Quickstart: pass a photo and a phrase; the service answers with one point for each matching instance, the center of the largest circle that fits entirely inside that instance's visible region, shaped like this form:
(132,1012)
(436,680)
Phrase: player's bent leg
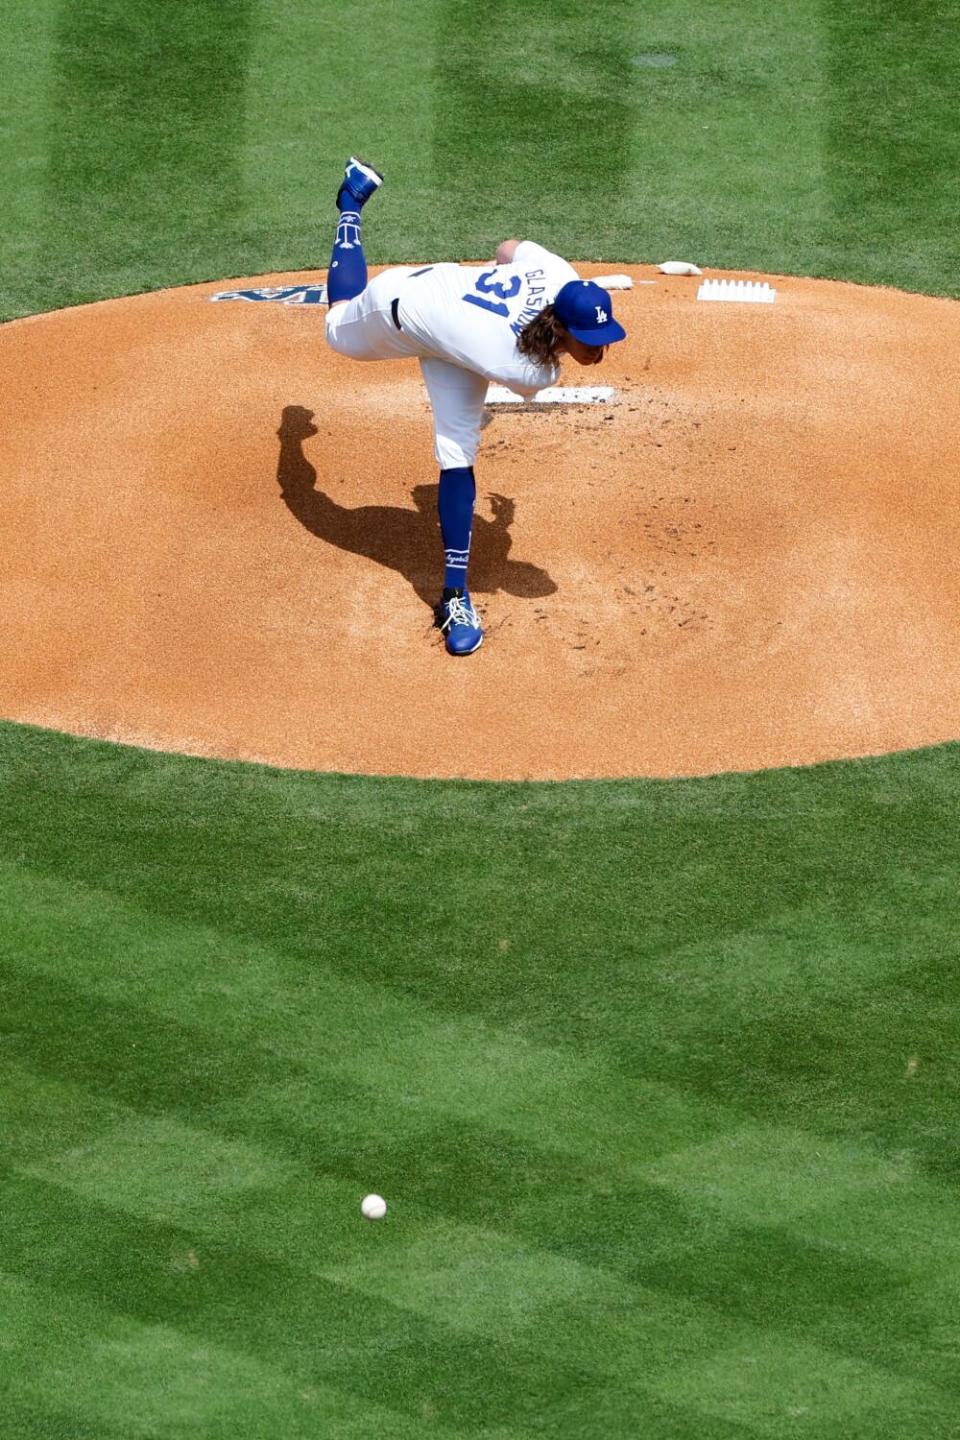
(364,327)
(345,330)
(347,275)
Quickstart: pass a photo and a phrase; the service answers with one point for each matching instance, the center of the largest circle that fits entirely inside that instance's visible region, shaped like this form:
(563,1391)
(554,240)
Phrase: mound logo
(279,294)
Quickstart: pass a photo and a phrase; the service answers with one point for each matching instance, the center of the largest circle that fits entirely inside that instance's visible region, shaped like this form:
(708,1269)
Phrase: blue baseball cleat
(359,181)
(459,623)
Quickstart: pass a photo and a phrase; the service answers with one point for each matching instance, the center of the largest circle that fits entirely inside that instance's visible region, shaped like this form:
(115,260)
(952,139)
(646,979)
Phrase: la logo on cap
(585,311)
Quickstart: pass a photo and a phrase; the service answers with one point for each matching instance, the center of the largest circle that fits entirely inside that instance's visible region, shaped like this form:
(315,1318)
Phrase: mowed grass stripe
(839,861)
(892,140)
(231,995)
(266,1113)
(726,164)
(661,1328)
(306,1325)
(768,1386)
(767,1174)
(175,143)
(379,1042)
(163,1170)
(144,1378)
(651,1237)
(454,1275)
(602,905)
(152,1167)
(26,56)
(839,1008)
(146,116)
(316,93)
(310,855)
(547,95)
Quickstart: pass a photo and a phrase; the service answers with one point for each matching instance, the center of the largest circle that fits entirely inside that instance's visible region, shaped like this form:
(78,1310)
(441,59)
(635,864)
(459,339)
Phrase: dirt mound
(221,539)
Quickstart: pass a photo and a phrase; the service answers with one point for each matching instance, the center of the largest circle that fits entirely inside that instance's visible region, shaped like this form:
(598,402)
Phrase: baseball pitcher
(509,322)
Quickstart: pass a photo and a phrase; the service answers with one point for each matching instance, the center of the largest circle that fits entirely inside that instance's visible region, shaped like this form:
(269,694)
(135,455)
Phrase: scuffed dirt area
(220,538)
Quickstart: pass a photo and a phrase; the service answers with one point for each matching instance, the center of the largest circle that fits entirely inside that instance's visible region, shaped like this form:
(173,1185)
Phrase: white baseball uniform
(462,323)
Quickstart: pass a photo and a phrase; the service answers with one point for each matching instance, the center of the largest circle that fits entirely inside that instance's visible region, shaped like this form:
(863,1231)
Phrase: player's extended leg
(455,615)
(455,502)
(456,398)
(348,267)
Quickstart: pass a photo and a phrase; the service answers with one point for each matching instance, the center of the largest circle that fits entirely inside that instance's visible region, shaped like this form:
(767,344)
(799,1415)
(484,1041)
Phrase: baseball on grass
(373,1207)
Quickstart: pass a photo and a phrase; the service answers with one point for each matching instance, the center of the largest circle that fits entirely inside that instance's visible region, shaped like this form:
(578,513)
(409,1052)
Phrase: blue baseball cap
(585,311)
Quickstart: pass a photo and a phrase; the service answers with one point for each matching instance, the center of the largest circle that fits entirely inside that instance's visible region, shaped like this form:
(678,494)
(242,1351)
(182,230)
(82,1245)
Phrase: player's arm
(535,255)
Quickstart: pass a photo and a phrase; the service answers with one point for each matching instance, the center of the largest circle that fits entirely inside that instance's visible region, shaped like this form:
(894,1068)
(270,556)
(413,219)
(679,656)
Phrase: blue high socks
(348,266)
(458,491)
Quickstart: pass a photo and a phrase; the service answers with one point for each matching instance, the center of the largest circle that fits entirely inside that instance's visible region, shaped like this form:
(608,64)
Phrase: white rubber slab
(738,291)
(554,395)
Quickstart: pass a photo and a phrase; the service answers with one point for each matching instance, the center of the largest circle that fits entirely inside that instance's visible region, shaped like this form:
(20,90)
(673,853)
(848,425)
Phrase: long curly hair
(541,338)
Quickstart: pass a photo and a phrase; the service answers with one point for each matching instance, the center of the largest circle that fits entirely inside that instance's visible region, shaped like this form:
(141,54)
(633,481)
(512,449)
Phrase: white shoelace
(460,613)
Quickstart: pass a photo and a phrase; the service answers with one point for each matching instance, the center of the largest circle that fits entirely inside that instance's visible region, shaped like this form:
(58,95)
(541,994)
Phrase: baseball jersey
(471,315)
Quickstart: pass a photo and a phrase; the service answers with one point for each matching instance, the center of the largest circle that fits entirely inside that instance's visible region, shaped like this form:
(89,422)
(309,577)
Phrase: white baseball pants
(363,329)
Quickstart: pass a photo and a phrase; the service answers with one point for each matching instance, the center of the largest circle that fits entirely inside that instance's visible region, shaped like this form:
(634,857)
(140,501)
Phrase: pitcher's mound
(221,539)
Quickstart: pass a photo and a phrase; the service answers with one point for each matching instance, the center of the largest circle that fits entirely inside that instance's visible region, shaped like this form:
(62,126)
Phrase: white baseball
(373,1207)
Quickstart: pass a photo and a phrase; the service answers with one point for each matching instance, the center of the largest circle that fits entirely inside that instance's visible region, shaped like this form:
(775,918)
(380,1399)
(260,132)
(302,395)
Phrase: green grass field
(191,139)
(660,1080)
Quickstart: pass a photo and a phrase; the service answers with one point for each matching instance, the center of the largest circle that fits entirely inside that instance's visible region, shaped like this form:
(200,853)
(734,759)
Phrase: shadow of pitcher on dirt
(399,538)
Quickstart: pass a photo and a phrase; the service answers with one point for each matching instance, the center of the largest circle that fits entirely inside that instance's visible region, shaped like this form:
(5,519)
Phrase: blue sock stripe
(348,230)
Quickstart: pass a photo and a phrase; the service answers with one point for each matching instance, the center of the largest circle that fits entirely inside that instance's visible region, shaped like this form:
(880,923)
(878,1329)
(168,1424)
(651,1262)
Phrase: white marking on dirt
(553,395)
(737,290)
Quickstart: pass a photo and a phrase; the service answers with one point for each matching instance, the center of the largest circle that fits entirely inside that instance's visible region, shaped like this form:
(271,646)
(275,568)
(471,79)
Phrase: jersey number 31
(490,286)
